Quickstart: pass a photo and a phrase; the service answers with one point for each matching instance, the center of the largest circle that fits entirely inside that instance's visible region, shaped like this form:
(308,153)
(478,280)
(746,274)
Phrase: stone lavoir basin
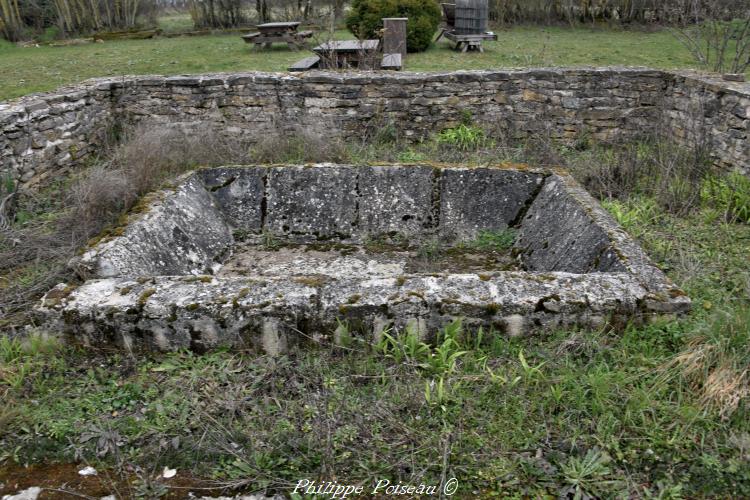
(271,255)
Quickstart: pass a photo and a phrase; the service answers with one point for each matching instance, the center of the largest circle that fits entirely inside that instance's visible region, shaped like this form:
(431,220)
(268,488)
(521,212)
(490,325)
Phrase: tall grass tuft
(716,361)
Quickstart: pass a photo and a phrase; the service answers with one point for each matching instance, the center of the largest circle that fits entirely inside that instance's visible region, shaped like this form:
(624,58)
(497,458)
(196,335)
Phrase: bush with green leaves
(366,19)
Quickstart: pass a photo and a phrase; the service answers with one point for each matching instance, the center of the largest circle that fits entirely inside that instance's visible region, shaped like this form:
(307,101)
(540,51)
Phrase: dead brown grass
(716,362)
(299,146)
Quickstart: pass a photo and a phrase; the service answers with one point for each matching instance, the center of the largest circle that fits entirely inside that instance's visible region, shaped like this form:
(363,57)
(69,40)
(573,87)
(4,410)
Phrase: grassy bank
(44,68)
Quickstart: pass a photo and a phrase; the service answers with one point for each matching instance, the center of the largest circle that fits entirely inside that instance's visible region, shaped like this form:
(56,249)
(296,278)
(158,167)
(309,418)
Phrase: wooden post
(394,35)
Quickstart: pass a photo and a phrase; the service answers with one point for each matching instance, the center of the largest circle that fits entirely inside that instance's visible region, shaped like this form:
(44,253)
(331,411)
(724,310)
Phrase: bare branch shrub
(149,154)
(99,196)
(716,32)
(651,166)
(217,14)
(299,146)
(60,220)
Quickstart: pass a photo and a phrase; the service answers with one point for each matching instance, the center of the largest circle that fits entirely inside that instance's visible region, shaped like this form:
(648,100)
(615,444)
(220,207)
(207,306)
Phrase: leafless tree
(217,13)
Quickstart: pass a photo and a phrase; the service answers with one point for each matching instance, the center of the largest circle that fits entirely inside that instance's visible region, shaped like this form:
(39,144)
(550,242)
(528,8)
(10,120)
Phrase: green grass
(44,68)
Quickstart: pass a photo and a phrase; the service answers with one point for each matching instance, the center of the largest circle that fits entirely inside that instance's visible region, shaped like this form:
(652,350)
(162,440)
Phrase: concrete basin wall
(154,284)
(188,230)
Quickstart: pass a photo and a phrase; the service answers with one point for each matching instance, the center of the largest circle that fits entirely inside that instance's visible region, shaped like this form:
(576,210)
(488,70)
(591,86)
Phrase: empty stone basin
(268,255)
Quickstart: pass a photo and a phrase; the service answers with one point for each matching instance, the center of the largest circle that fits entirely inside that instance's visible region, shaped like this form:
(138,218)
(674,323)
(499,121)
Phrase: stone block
(312,200)
(557,234)
(180,232)
(395,199)
(477,199)
(240,193)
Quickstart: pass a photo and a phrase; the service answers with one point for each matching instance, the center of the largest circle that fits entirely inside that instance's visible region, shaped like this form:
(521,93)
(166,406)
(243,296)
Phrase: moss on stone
(145,295)
(313,281)
(195,279)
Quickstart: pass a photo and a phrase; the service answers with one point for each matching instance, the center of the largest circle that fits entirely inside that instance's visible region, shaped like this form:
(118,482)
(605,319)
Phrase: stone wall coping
(75,92)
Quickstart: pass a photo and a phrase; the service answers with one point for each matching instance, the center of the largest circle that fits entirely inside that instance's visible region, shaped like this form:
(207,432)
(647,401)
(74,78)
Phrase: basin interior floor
(362,261)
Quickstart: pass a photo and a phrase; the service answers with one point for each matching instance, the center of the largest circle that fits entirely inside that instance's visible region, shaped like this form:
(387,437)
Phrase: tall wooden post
(394,35)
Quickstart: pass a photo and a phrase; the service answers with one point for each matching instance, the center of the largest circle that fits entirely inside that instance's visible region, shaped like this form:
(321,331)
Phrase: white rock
(28,494)
(87,471)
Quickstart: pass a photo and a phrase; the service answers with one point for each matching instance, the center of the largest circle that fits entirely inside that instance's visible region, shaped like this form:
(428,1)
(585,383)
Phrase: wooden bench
(305,64)
(270,33)
(251,37)
(391,61)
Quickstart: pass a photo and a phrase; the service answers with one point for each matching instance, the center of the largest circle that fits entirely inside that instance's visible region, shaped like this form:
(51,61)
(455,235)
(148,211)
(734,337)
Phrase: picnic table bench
(269,33)
(361,54)
(343,54)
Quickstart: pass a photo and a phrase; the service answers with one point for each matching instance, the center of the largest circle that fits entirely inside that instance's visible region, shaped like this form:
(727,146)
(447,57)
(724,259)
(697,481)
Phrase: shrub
(366,19)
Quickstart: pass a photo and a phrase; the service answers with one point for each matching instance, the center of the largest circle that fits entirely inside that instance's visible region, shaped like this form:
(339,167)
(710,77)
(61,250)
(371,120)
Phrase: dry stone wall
(712,113)
(43,134)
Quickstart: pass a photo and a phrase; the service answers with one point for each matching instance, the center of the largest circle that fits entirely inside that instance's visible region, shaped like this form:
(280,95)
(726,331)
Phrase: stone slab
(168,313)
(396,200)
(240,193)
(557,234)
(319,201)
(477,199)
(179,232)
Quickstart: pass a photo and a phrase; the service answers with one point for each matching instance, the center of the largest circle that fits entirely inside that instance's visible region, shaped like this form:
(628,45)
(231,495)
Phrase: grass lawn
(44,68)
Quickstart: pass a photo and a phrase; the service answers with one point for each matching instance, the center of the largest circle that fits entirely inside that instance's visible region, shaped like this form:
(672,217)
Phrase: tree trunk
(262,8)
(338,9)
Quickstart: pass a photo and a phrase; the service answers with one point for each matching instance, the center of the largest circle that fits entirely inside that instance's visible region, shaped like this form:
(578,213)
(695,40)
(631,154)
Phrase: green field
(43,68)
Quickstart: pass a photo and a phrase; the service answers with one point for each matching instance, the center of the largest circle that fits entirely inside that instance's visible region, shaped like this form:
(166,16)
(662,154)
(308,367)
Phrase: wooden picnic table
(269,33)
(361,54)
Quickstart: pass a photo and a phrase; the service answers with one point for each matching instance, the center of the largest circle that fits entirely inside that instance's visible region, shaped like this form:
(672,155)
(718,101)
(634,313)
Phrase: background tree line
(21,19)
